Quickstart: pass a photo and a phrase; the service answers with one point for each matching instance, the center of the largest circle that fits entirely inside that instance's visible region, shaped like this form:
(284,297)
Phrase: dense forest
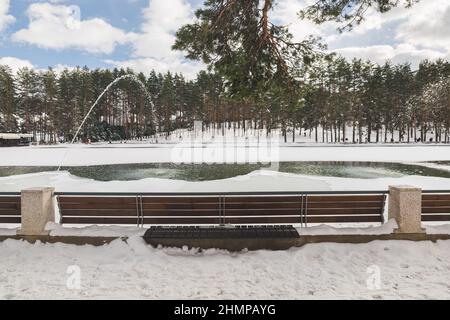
(374,100)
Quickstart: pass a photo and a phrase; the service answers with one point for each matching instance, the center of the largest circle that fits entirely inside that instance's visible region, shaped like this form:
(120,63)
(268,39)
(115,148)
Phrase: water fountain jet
(109,86)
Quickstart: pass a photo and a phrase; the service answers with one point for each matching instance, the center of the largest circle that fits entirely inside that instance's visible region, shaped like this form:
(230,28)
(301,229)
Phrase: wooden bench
(219,210)
(436,207)
(10,209)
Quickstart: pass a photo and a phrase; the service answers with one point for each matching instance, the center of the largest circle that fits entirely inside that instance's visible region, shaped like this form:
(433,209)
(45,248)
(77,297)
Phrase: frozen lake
(208,172)
(224,166)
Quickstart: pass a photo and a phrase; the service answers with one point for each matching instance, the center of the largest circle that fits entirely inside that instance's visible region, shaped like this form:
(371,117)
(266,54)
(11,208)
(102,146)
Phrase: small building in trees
(15,139)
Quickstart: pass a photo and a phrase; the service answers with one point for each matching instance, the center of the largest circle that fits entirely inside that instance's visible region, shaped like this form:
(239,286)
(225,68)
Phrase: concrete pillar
(405,206)
(37,210)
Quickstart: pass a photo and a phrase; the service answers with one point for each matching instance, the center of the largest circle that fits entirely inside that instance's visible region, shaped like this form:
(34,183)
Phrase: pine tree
(8,106)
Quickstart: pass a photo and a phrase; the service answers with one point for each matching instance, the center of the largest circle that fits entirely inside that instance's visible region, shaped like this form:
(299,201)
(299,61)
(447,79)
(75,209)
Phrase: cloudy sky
(139,33)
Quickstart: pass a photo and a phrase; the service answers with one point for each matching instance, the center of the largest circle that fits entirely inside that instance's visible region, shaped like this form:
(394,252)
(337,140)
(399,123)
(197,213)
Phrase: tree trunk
(293,133)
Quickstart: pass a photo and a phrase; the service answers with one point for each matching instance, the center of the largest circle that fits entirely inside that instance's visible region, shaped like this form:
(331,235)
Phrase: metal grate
(236,232)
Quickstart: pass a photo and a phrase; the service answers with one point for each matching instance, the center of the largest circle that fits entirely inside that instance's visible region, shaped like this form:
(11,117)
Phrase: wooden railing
(436,206)
(218,209)
(10,208)
(226,208)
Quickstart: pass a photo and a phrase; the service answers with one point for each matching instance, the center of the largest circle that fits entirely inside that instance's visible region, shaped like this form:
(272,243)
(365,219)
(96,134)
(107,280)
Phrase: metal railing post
(383,208)
(306,210)
(142,211)
(301,211)
(137,211)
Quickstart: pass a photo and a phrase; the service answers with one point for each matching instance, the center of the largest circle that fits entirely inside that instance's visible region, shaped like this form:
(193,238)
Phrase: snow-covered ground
(215,146)
(83,155)
(131,270)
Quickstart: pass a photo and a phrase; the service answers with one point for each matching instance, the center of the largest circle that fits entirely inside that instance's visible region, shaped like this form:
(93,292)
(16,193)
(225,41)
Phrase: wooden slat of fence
(14,199)
(436,203)
(436,210)
(259,199)
(341,211)
(182,206)
(99,220)
(181,213)
(10,205)
(356,204)
(10,212)
(180,200)
(297,205)
(10,219)
(98,206)
(435,217)
(349,198)
(99,212)
(434,197)
(131,213)
(252,213)
(295,199)
(296,212)
(96,200)
(313,219)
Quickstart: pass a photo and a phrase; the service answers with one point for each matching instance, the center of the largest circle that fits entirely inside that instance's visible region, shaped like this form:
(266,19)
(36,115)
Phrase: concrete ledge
(79,241)
(237,244)
(284,244)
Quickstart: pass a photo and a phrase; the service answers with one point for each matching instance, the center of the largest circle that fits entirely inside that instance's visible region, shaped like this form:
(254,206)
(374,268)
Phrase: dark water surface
(205,172)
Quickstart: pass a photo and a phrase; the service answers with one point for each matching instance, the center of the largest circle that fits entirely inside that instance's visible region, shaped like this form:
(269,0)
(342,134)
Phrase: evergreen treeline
(374,100)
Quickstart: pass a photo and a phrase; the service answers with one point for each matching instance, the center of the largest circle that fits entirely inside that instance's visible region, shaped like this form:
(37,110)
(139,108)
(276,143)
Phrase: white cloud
(395,53)
(162,20)
(286,13)
(15,63)
(427,25)
(59,27)
(400,35)
(188,68)
(5,18)
(59,68)
(152,46)
(424,25)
